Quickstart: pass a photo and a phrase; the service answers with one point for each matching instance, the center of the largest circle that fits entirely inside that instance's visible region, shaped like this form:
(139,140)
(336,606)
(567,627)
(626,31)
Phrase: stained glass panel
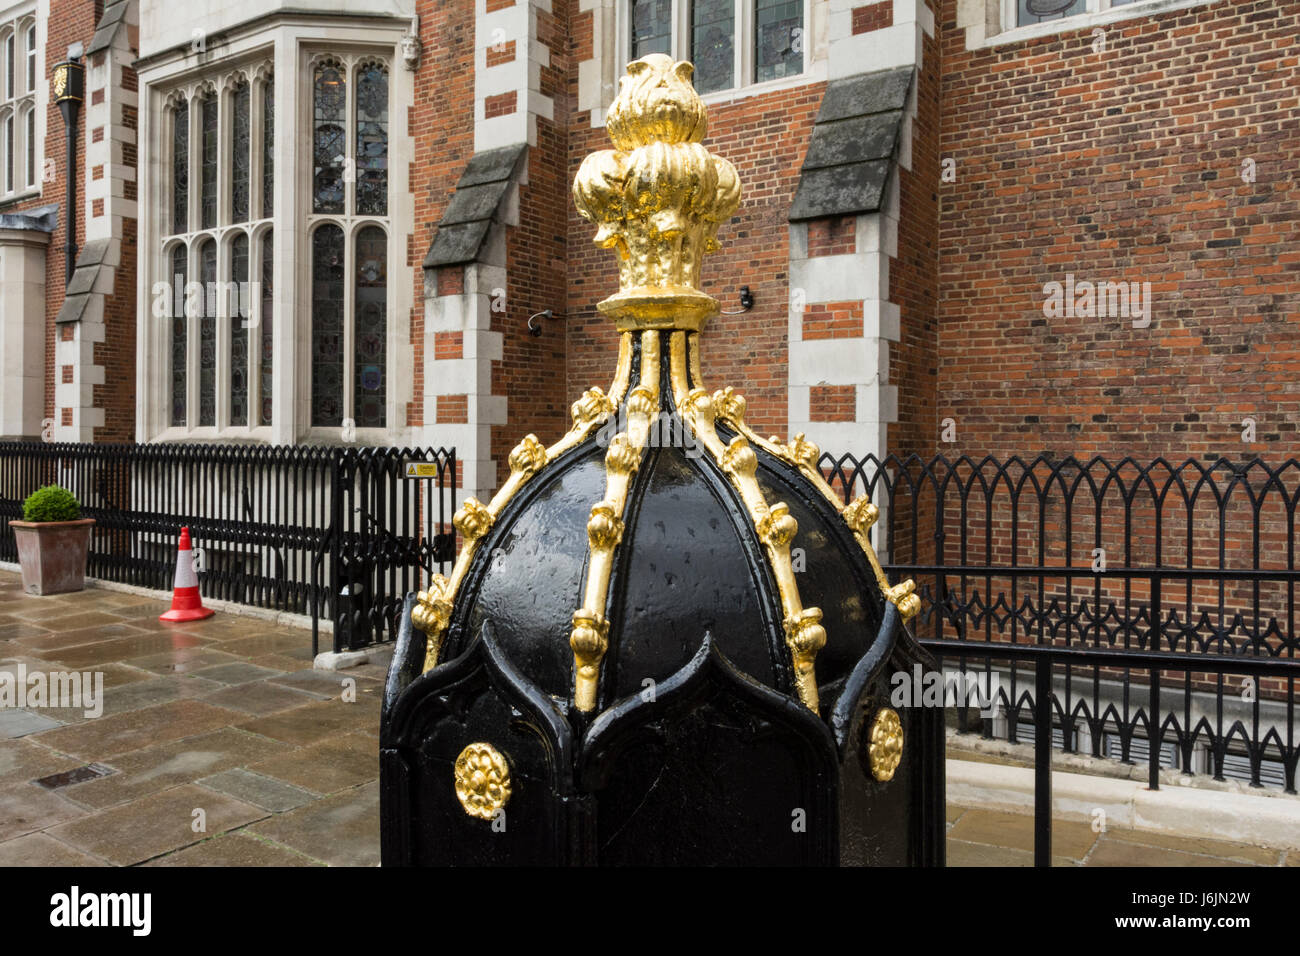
(208,182)
(371,325)
(372,141)
(267,305)
(329,148)
(181,168)
(713,44)
(778,39)
(239,318)
(652,27)
(176,309)
(240,158)
(268,149)
(1037,11)
(208,335)
(327,326)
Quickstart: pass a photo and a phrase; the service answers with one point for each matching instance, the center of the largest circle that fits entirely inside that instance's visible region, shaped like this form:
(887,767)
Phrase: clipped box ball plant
(51,503)
(53,541)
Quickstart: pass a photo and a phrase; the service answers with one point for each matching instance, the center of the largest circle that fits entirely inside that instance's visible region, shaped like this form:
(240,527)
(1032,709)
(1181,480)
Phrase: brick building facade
(920,179)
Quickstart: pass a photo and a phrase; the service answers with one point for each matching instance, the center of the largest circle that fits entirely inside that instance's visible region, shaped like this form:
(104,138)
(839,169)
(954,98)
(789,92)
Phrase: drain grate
(91,771)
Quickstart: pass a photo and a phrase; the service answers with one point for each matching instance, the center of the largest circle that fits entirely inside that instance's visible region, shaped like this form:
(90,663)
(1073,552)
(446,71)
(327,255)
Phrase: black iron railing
(1138,611)
(302,529)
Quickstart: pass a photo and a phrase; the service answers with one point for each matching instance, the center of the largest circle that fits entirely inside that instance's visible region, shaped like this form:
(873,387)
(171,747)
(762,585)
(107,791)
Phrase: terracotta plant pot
(53,554)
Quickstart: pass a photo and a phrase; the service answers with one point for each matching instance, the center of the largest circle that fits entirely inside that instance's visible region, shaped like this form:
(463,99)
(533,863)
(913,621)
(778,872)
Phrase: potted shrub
(53,541)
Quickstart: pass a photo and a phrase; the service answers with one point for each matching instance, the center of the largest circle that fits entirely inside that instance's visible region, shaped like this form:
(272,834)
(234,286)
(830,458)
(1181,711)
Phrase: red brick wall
(532,370)
(444,87)
(1124,165)
(766,138)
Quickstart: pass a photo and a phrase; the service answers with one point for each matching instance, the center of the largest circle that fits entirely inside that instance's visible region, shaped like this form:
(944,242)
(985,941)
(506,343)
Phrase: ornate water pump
(626,666)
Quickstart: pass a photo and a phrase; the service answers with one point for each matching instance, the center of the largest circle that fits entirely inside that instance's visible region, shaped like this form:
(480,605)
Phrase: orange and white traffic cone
(187,605)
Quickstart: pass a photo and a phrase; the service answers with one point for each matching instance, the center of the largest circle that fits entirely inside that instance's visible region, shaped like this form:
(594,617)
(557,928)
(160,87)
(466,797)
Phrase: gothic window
(713,44)
(372,141)
(181,168)
(176,300)
(208,161)
(240,317)
(267,305)
(778,46)
(370,375)
(208,334)
(732,43)
(219,186)
(327,326)
(18,134)
(329,139)
(268,148)
(652,27)
(240,159)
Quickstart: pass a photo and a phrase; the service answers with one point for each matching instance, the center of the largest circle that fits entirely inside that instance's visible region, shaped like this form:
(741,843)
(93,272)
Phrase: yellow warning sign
(421,469)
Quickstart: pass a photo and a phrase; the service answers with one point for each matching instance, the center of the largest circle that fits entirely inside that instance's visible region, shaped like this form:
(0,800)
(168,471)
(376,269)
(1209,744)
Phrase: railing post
(1043,762)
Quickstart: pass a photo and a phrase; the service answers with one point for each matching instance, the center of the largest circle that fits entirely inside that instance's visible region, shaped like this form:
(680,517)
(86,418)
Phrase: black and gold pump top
(664,640)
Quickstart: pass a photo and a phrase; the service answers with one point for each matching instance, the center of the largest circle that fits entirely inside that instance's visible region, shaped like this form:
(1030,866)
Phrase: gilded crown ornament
(658,197)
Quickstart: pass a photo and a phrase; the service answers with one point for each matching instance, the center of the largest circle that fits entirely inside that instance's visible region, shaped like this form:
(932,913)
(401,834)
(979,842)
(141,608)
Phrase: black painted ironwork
(1156,601)
(281,527)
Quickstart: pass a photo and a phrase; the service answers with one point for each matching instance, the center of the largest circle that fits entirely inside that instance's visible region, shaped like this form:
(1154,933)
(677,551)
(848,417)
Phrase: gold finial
(658,198)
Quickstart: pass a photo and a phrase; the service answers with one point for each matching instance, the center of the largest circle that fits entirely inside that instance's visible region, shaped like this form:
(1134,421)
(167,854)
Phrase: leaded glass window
(713,44)
(329,149)
(208,334)
(652,27)
(31,147)
(239,322)
(778,39)
(9,153)
(31,58)
(240,158)
(371,332)
(268,148)
(1037,11)
(327,326)
(178,280)
(181,168)
(372,141)
(208,159)
(267,305)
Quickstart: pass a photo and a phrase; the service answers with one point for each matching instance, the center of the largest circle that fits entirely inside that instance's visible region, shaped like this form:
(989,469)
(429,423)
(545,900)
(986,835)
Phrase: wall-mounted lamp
(746,302)
(534,329)
(68,82)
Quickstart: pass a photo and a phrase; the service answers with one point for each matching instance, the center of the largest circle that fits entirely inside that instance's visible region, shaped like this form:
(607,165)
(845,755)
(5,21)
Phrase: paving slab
(338,763)
(20,723)
(156,824)
(236,672)
(57,640)
(1259,856)
(23,760)
(25,808)
(310,723)
(183,661)
(1112,852)
(260,698)
(121,649)
(121,733)
(1016,831)
(234,849)
(265,792)
(342,830)
(177,762)
(39,849)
